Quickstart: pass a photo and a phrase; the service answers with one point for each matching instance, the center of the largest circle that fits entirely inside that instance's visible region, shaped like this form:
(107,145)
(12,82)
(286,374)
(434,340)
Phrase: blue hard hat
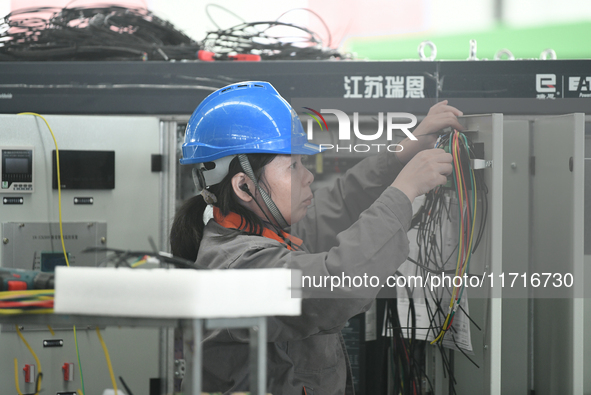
(243,118)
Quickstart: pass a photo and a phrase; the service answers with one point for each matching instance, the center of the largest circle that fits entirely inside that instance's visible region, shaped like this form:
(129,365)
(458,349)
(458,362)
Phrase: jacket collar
(235,221)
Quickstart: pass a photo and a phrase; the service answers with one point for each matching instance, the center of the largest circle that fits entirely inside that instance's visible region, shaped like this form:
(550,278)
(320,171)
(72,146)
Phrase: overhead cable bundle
(91,33)
(261,40)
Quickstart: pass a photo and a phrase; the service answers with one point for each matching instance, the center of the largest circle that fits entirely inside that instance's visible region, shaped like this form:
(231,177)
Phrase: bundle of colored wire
(436,256)
(91,33)
(467,202)
(27,302)
(258,38)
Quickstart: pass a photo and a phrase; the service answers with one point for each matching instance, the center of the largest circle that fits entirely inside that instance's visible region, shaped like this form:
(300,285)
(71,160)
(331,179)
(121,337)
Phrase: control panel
(16,169)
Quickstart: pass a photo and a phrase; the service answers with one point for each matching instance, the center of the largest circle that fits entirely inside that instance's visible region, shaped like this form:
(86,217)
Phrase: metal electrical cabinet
(533,338)
(528,339)
(122,213)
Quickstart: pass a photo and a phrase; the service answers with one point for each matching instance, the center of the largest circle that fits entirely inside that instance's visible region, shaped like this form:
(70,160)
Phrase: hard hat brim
(303,149)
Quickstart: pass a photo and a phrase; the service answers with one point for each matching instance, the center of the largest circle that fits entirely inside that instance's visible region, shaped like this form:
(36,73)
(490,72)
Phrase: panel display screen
(49,260)
(85,169)
(16,165)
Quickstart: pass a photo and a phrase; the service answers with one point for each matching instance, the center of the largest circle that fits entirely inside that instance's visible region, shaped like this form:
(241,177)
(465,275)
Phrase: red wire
(451,321)
(44,304)
(405,352)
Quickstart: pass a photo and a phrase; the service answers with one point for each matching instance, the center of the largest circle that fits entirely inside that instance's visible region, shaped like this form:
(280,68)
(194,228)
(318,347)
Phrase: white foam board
(175,293)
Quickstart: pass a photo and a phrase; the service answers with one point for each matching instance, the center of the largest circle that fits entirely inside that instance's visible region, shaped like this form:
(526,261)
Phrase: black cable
(91,33)
(163,257)
(484,208)
(405,368)
(207,6)
(38,381)
(316,15)
(462,351)
(452,388)
(470,318)
(125,386)
(256,38)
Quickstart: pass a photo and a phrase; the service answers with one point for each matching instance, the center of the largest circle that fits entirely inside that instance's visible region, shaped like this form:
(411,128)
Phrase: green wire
(79,363)
(393,361)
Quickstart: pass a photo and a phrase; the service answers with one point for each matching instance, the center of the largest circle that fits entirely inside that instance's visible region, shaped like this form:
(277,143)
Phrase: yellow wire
(51,330)
(25,293)
(18,331)
(59,183)
(59,195)
(98,332)
(139,263)
(19,311)
(18,389)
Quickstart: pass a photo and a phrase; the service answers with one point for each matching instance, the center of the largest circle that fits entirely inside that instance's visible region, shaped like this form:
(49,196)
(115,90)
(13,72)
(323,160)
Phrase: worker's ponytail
(187,229)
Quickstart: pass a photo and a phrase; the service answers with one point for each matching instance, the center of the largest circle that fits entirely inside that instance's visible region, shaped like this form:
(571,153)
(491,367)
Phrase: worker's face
(288,183)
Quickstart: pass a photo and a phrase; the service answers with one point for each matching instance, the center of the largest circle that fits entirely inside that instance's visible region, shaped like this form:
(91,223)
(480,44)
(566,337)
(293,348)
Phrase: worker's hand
(424,172)
(440,116)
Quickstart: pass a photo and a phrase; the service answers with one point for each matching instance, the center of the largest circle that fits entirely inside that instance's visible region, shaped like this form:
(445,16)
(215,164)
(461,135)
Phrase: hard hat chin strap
(266,198)
(201,186)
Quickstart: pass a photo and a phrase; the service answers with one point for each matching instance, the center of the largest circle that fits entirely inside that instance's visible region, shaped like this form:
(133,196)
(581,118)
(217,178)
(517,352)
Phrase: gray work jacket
(356,227)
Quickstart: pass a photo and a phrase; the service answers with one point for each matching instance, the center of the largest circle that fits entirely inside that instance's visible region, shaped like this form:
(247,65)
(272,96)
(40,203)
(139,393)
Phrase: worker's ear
(243,187)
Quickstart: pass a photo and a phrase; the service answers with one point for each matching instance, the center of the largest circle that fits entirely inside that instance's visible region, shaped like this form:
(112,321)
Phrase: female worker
(246,143)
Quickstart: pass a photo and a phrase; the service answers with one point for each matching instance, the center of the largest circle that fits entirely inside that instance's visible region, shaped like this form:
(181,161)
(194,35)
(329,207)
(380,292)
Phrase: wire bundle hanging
(91,33)
(408,356)
(436,257)
(463,176)
(433,259)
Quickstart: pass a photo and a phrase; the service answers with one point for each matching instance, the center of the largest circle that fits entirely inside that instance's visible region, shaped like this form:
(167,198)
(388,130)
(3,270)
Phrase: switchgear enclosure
(123,217)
